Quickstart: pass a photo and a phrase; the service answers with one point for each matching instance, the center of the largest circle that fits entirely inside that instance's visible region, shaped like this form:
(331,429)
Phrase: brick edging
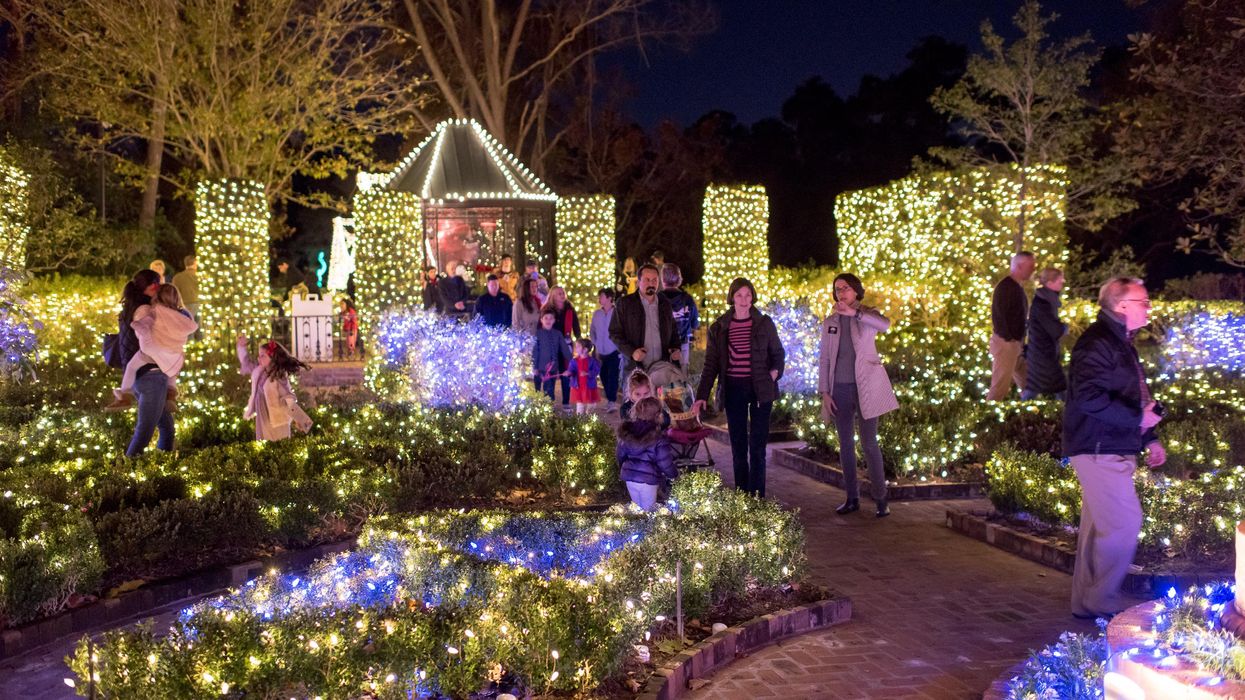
(832,475)
(671,678)
(1062,558)
(107,612)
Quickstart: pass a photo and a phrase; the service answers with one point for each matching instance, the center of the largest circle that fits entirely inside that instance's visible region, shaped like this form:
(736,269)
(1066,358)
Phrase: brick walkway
(934,614)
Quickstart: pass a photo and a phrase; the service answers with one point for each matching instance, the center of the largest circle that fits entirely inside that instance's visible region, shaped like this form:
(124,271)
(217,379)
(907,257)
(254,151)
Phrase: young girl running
(162,328)
(272,404)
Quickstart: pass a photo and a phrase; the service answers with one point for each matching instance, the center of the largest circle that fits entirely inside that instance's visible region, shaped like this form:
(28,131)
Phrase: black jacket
(767,354)
(1008,309)
(1044,373)
(683,307)
(432,295)
(453,290)
(1103,413)
(494,310)
(627,327)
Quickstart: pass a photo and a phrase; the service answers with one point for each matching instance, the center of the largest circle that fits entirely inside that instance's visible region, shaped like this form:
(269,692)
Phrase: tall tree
(262,90)
(1189,122)
(1024,104)
(511,63)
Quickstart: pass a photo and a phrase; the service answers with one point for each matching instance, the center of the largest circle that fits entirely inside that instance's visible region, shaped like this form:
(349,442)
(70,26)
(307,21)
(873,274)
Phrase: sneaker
(611,407)
(122,402)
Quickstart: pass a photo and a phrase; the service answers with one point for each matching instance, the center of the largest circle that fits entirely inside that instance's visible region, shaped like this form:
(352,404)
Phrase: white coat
(873,386)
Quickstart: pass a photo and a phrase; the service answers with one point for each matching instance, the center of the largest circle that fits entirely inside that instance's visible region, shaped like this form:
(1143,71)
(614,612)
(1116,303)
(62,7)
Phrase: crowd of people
(643,334)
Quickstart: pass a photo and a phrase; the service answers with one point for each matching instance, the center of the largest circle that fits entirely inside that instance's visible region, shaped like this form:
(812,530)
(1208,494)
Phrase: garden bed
(462,602)
(932,488)
(1055,546)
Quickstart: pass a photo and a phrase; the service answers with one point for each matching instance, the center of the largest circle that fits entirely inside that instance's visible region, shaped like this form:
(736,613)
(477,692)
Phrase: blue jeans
(747,421)
(152,390)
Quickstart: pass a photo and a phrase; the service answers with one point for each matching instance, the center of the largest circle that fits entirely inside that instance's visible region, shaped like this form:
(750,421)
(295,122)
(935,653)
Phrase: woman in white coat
(854,387)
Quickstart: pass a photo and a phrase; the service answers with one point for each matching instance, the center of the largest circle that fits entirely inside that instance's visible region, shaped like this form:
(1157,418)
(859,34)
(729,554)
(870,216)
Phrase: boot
(883,509)
(123,401)
(851,505)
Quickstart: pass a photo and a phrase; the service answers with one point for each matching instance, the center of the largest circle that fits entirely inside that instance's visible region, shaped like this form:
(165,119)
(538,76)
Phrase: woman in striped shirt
(746,357)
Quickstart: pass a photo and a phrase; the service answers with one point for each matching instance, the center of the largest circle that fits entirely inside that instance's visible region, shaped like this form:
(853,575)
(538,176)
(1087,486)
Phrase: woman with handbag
(854,387)
(745,354)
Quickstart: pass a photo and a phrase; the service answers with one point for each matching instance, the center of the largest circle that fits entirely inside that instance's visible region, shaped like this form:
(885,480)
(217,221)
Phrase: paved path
(934,614)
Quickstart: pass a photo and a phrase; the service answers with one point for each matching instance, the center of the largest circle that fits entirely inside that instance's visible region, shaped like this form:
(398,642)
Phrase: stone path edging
(1062,558)
(671,679)
(1130,638)
(896,492)
(108,611)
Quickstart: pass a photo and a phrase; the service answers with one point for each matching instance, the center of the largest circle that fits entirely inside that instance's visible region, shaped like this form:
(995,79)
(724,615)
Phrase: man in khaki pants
(1009,315)
(1109,418)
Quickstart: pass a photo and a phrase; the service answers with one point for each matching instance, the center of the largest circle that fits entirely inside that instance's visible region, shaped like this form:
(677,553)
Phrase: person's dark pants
(611,366)
(747,420)
(566,390)
(546,386)
(1031,394)
(152,390)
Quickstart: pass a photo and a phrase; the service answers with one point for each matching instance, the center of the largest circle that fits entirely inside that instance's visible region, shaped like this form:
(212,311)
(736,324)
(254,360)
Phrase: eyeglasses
(1143,302)
(842,289)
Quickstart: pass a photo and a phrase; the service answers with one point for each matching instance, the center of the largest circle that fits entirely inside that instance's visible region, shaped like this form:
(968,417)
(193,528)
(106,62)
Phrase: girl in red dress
(584,371)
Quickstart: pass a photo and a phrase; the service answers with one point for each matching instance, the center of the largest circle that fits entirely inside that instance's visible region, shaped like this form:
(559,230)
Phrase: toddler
(585,369)
(162,328)
(645,456)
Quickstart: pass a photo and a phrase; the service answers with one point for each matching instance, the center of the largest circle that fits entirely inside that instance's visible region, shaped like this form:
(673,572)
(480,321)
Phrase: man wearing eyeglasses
(1109,419)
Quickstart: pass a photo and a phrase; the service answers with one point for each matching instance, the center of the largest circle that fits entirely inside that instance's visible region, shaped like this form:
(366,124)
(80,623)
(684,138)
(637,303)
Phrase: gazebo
(478,201)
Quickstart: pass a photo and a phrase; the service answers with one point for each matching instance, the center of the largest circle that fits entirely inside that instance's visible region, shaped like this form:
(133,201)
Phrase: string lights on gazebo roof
(441,171)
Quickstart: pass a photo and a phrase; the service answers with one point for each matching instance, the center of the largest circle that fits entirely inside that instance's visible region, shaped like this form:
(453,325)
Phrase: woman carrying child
(272,404)
(645,456)
(162,329)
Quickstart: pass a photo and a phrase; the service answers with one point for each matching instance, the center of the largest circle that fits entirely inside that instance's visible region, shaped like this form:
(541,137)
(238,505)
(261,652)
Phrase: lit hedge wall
(736,224)
(389,252)
(13,205)
(951,234)
(586,247)
(231,245)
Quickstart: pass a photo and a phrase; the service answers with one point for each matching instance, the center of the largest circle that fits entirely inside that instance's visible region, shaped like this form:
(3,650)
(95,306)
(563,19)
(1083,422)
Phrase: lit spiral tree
(586,248)
(388,252)
(13,213)
(736,224)
(231,243)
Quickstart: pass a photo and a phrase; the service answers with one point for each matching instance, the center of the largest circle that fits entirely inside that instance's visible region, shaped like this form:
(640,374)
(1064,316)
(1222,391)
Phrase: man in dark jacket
(682,306)
(1109,418)
(1009,309)
(493,307)
(643,325)
(454,290)
(1043,370)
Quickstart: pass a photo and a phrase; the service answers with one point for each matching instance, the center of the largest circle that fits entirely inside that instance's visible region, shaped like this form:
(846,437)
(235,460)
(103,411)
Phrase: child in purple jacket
(645,456)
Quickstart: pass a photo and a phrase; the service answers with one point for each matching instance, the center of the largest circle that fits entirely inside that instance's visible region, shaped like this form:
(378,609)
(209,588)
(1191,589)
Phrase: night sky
(761,50)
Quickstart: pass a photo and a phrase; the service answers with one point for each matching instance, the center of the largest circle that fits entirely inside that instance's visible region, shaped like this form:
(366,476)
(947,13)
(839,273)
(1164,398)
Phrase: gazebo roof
(461,161)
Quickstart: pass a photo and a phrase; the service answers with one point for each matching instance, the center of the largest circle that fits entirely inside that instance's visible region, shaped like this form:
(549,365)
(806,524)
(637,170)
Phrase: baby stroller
(687,434)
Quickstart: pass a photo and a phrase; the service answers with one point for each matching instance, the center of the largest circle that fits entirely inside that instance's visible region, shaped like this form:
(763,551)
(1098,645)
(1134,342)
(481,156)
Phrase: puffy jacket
(1103,413)
(644,453)
(767,354)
